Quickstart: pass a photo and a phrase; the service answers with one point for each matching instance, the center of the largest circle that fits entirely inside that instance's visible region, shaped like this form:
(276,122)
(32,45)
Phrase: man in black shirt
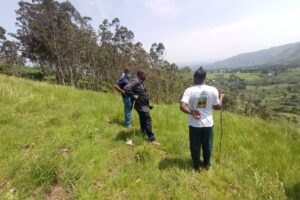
(137,91)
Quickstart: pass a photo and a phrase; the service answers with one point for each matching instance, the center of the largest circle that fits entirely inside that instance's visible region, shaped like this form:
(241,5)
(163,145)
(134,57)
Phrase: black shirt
(136,87)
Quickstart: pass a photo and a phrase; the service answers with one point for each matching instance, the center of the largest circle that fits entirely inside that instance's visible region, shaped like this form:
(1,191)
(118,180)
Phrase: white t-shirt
(201,98)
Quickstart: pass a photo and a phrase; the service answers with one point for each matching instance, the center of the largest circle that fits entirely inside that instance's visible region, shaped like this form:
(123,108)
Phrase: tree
(9,53)
(139,56)
(157,52)
(109,55)
(117,50)
(2,40)
(54,35)
(9,50)
(2,33)
(48,31)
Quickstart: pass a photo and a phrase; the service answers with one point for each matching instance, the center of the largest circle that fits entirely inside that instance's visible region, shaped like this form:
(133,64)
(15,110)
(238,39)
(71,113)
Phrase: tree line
(55,37)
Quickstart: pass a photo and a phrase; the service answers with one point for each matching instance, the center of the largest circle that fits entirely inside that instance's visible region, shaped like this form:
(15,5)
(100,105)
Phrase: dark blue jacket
(123,81)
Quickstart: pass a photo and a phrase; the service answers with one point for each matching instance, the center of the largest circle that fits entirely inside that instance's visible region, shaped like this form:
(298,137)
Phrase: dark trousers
(201,138)
(146,125)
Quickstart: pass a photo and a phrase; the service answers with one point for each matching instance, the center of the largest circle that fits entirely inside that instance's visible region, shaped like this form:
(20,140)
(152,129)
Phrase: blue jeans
(127,111)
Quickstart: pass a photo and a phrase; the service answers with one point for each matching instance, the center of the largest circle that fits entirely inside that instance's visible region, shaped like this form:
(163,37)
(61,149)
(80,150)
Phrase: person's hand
(221,98)
(196,114)
(222,95)
(135,97)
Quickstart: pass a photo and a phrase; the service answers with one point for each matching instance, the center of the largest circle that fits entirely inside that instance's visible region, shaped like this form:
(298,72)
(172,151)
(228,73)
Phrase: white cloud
(162,7)
(234,38)
(255,24)
(91,3)
(99,6)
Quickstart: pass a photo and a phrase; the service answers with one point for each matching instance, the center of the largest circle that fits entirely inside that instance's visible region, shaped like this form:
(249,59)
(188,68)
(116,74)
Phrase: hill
(285,54)
(60,142)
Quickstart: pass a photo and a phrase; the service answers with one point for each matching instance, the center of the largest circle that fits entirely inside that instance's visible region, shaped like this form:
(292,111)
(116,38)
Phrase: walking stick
(221,137)
(133,122)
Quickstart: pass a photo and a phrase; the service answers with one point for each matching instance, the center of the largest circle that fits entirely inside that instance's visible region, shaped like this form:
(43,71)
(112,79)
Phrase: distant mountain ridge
(285,54)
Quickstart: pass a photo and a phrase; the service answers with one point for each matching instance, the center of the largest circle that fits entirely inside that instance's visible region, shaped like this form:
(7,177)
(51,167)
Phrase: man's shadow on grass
(116,120)
(173,162)
(294,191)
(129,134)
(123,135)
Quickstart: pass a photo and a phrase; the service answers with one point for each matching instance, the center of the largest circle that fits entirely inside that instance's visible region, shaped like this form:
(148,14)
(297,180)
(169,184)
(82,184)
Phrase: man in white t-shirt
(198,102)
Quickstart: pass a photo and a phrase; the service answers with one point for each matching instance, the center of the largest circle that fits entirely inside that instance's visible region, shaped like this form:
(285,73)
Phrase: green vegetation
(66,50)
(33,73)
(62,142)
(267,92)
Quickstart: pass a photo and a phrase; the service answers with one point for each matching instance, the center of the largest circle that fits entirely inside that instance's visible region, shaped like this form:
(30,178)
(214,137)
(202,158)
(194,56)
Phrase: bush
(229,102)
(33,73)
(50,79)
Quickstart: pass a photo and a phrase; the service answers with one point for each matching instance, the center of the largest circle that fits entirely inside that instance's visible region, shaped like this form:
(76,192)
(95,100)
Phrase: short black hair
(126,70)
(140,72)
(200,74)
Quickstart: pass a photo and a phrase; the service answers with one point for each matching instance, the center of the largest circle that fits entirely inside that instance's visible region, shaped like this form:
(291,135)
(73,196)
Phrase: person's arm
(184,102)
(117,87)
(219,106)
(185,108)
(129,89)
(184,105)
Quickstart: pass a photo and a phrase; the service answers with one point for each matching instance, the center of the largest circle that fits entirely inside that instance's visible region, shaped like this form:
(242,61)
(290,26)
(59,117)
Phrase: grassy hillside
(59,142)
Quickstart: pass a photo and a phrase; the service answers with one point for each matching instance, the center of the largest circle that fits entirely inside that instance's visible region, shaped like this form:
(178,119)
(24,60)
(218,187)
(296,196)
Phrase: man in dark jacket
(136,90)
(119,86)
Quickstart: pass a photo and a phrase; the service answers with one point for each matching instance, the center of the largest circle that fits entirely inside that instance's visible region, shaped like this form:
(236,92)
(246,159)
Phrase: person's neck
(202,83)
(140,79)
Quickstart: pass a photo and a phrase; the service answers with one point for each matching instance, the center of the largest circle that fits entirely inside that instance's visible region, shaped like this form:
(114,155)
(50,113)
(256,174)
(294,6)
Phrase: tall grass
(59,137)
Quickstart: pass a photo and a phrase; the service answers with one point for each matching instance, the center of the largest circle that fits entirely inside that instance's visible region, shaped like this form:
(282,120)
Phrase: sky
(193,31)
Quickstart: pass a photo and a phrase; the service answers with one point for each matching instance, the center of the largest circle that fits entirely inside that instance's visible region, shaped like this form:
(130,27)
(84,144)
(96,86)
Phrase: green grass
(55,138)
(290,76)
(248,77)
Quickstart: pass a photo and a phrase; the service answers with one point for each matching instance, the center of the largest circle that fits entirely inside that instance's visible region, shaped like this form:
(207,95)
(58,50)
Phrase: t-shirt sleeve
(216,100)
(186,96)
(119,80)
(122,81)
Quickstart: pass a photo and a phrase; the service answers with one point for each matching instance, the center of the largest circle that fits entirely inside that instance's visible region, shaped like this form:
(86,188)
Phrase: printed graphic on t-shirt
(202,102)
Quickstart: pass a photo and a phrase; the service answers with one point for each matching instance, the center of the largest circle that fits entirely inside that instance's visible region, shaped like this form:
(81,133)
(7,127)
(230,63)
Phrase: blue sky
(193,31)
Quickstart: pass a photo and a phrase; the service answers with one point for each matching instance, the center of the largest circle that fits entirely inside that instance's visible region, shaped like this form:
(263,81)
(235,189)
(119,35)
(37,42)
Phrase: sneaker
(129,142)
(154,143)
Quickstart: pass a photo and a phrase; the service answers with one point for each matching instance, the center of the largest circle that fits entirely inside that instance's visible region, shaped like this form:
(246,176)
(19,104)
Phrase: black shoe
(198,169)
